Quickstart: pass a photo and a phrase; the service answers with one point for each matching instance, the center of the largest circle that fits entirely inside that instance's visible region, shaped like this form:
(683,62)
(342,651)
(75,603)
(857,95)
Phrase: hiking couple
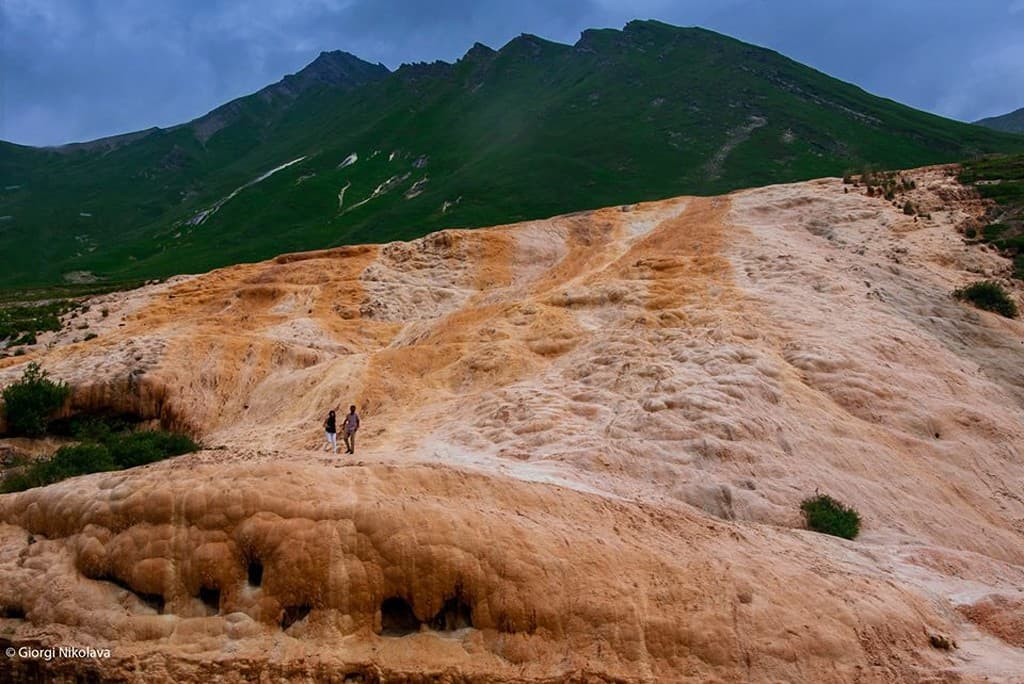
(349,427)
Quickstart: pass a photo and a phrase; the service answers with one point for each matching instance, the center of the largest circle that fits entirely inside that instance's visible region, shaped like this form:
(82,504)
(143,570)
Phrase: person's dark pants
(350,442)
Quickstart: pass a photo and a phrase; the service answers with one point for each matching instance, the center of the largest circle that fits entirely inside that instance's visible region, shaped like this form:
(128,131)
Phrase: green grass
(529,131)
(20,296)
(24,313)
(828,516)
(20,323)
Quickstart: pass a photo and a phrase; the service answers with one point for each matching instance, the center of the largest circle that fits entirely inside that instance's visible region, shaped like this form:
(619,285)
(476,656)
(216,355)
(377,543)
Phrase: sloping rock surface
(585,441)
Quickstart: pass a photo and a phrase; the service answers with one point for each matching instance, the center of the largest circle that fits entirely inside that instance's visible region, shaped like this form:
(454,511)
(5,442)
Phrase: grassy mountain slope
(1010,123)
(532,130)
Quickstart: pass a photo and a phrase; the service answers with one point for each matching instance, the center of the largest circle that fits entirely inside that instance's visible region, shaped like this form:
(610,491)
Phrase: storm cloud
(80,69)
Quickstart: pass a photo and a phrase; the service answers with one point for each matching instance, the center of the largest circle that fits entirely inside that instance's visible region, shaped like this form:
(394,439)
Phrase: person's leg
(334,441)
(352,442)
(327,436)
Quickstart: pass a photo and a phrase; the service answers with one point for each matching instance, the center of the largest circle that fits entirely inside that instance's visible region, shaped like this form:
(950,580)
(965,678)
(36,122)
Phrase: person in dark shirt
(331,431)
(350,426)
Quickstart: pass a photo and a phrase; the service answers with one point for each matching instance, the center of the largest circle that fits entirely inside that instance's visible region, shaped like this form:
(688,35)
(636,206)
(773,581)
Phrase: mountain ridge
(335,68)
(533,129)
(1013,122)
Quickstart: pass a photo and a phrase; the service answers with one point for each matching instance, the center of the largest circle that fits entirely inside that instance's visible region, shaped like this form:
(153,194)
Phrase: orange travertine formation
(584,445)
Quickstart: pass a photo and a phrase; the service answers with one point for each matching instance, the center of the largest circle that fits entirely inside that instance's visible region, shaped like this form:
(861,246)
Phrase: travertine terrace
(585,443)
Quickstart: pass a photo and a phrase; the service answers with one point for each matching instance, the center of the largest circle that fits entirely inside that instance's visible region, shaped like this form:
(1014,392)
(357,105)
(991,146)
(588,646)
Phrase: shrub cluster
(106,443)
(132,449)
(990,296)
(885,184)
(113,451)
(68,462)
(825,514)
(31,401)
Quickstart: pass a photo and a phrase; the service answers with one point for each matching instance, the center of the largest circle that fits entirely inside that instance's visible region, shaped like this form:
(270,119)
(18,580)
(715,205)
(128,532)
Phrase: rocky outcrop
(584,445)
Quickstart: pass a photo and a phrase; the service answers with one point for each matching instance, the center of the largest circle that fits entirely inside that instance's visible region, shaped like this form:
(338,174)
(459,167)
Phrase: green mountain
(1010,123)
(346,152)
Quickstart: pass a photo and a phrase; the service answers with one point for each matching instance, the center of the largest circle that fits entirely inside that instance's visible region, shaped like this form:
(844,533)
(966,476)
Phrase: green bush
(825,514)
(971,233)
(27,338)
(908,208)
(30,402)
(1013,244)
(139,448)
(78,459)
(69,461)
(993,230)
(112,451)
(94,428)
(990,296)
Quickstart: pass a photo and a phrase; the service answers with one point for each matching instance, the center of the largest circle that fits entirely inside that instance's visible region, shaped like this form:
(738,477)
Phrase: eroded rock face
(551,582)
(584,445)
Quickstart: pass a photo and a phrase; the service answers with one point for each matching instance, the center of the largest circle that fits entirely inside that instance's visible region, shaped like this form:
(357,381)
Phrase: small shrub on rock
(990,296)
(69,461)
(992,231)
(79,459)
(27,338)
(825,514)
(139,448)
(30,402)
(109,451)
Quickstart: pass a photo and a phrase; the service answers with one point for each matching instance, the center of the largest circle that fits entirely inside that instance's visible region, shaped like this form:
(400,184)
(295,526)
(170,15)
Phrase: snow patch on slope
(201,216)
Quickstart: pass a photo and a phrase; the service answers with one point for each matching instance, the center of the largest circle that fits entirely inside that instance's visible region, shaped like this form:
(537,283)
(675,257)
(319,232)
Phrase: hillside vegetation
(1001,179)
(346,152)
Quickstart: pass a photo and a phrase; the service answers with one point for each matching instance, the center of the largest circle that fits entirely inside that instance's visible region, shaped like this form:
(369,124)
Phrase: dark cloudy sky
(80,69)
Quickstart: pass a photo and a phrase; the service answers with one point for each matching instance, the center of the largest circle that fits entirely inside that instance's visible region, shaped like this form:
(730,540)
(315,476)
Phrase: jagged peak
(327,59)
(530,41)
(413,71)
(340,68)
(478,51)
(593,38)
